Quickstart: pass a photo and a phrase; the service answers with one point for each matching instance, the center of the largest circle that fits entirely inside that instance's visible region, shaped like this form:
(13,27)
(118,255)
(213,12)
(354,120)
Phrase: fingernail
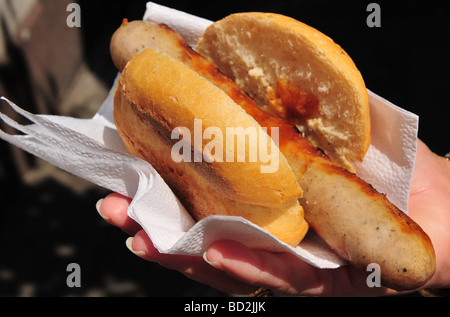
(98,207)
(129,244)
(214,264)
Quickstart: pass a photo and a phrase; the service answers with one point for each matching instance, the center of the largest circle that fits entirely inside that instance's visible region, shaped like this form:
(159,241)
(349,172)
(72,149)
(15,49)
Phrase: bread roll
(297,73)
(157,95)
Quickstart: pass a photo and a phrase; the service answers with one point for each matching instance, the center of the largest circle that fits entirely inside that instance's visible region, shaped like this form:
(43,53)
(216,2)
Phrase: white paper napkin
(93,150)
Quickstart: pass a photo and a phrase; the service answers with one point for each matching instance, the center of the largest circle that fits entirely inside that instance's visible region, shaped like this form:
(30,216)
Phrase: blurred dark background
(48,217)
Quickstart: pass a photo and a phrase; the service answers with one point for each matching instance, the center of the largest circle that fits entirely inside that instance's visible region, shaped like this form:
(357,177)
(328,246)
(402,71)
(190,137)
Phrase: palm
(429,206)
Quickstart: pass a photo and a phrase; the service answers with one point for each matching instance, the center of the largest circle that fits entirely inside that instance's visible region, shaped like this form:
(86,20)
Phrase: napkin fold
(92,149)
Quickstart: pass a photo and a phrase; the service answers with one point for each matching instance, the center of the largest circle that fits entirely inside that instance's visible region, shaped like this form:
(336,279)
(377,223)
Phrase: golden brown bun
(157,94)
(297,73)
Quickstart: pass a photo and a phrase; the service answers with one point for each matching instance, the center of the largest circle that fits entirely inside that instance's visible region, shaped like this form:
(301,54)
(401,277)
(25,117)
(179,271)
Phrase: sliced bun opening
(297,73)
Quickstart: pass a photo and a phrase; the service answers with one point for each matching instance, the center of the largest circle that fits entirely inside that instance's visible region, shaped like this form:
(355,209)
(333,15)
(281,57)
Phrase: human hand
(233,268)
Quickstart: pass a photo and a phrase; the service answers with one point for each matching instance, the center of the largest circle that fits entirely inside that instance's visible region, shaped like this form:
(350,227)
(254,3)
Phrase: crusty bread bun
(157,95)
(297,73)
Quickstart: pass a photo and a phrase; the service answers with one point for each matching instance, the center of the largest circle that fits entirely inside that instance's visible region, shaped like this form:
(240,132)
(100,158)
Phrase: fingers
(286,274)
(261,268)
(193,267)
(113,209)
